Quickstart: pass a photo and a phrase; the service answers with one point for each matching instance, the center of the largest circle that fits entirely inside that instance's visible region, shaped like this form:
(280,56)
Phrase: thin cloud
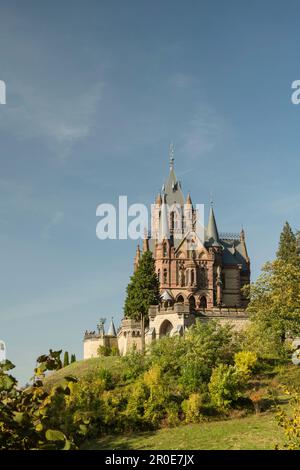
(202,133)
(56,219)
(60,120)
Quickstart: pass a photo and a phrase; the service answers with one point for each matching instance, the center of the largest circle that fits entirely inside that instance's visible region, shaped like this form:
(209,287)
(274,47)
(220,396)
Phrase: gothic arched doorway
(203,302)
(165,328)
(180,299)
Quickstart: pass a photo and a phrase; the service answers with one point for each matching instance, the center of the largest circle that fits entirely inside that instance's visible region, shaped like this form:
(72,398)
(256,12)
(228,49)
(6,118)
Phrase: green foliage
(104,351)
(275,306)
(224,386)
(143,289)
(192,408)
(190,359)
(134,364)
(114,351)
(290,420)
(66,359)
(287,249)
(245,362)
(151,400)
(73,358)
(35,419)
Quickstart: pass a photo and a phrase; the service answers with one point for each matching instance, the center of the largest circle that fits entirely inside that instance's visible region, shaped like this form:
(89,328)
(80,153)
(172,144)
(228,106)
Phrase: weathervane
(171,155)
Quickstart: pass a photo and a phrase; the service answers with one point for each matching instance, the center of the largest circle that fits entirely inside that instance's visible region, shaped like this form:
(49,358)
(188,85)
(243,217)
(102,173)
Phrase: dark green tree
(66,359)
(73,358)
(287,249)
(142,291)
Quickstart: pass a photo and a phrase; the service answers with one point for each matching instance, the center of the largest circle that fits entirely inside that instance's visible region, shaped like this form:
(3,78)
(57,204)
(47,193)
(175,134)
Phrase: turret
(188,214)
(212,230)
(137,258)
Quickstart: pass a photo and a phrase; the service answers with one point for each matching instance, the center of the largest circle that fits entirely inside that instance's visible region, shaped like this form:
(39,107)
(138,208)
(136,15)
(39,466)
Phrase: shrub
(34,418)
(245,362)
(103,351)
(290,421)
(115,351)
(135,363)
(224,386)
(192,408)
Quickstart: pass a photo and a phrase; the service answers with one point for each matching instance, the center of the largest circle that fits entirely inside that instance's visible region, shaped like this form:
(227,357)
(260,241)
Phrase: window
(158,275)
(172,217)
(203,302)
(192,277)
(192,302)
(165,250)
(165,276)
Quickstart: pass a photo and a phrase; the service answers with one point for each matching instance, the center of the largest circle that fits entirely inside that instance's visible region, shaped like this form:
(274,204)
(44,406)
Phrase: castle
(199,278)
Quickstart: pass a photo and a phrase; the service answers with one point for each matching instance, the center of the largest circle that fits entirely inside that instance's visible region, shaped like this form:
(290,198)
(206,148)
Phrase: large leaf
(54,435)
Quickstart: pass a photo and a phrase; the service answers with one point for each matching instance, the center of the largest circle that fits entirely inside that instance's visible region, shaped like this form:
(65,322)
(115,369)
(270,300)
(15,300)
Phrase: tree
(66,359)
(73,358)
(275,303)
(287,249)
(142,291)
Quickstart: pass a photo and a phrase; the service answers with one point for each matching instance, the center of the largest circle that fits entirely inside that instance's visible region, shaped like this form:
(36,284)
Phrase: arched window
(203,302)
(192,277)
(192,302)
(165,328)
(172,224)
(165,276)
(180,299)
(158,275)
(165,250)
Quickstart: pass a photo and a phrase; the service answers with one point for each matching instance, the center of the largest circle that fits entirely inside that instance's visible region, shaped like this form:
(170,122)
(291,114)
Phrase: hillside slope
(81,368)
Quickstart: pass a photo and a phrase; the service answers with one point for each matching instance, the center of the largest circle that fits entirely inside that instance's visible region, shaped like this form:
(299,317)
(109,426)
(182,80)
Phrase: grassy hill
(256,431)
(250,433)
(81,368)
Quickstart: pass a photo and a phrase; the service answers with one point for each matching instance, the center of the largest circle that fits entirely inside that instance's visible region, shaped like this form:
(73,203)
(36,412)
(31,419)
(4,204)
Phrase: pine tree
(142,291)
(287,249)
(66,359)
(73,358)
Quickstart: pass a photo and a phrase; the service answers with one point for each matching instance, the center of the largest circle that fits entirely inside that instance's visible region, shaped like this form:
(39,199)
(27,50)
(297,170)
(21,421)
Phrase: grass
(81,368)
(256,432)
(253,432)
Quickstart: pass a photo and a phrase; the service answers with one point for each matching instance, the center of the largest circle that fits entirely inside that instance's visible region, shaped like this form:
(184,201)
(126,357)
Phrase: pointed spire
(243,241)
(212,231)
(164,232)
(112,329)
(145,242)
(171,155)
(189,200)
(172,187)
(137,257)
(158,199)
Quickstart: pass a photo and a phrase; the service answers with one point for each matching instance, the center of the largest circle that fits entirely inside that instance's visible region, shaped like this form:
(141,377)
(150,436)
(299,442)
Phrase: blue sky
(96,91)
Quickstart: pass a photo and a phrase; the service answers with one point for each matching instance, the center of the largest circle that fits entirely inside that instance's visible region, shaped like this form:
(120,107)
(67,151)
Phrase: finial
(242,234)
(211,199)
(171,155)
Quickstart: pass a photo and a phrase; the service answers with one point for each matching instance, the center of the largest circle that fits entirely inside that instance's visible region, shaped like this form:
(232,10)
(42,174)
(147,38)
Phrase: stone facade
(92,340)
(199,278)
(129,336)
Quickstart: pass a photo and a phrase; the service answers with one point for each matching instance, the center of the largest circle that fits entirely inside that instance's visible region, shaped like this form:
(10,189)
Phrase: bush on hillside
(225,386)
